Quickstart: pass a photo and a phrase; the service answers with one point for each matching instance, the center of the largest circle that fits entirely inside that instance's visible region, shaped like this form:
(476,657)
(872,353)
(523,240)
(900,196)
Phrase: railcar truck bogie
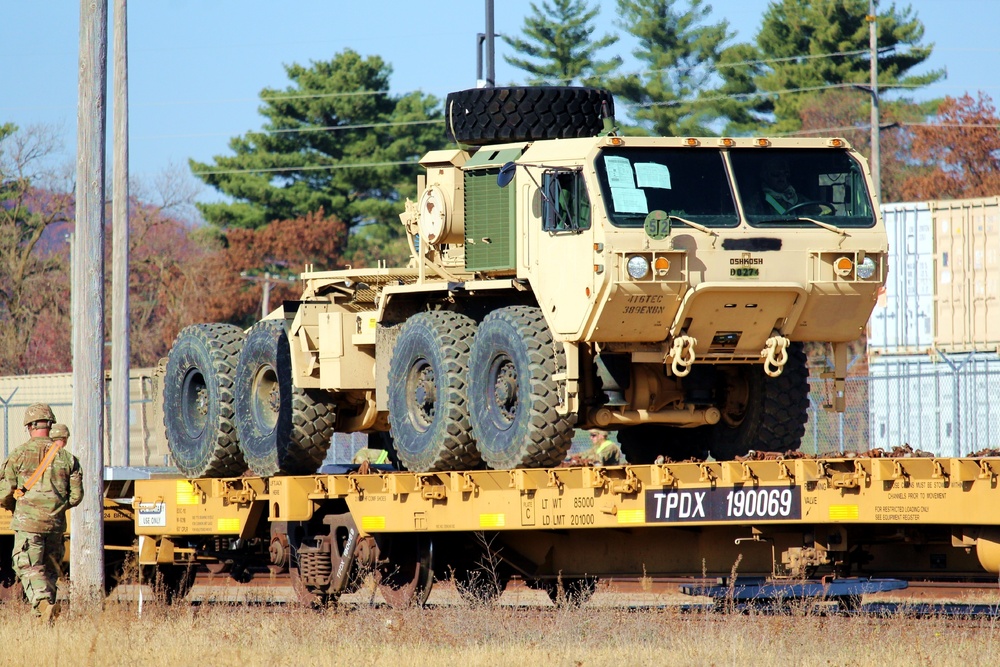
(562,276)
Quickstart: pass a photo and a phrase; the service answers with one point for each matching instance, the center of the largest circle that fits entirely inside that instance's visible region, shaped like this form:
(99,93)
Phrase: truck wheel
(428,408)
(760,412)
(198,401)
(643,443)
(481,116)
(283,429)
(513,398)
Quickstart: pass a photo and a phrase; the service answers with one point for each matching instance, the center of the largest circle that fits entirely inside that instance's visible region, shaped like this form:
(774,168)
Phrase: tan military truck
(562,276)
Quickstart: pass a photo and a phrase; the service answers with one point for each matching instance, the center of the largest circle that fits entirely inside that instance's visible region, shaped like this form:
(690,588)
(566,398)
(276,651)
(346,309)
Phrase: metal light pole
(120,346)
(873,47)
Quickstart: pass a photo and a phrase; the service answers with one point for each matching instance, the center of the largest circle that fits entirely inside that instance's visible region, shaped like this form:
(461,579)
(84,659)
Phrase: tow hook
(683,355)
(775,355)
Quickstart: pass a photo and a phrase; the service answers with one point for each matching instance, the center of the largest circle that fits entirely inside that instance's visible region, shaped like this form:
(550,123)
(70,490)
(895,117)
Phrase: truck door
(562,260)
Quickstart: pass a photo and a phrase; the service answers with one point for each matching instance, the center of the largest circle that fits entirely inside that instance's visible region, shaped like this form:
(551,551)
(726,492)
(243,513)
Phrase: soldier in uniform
(603,451)
(39,482)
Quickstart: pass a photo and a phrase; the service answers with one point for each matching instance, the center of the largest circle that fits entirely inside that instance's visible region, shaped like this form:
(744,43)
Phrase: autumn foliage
(231,282)
(961,147)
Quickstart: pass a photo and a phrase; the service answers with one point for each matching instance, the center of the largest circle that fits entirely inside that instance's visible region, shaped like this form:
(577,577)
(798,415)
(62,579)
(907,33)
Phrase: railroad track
(271,587)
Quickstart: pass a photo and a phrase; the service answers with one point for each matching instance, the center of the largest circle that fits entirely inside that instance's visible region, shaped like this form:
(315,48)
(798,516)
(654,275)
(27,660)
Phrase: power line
(328,128)
(759,93)
(322,167)
(823,131)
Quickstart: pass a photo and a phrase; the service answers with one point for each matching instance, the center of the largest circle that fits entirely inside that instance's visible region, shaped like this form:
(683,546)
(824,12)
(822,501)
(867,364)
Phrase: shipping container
(938,403)
(903,319)
(967,250)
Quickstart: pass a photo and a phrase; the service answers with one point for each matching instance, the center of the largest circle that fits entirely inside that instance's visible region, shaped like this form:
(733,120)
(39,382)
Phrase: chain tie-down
(683,355)
(775,355)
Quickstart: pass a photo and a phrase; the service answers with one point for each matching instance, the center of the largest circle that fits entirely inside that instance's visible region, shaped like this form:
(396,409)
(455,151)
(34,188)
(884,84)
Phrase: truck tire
(481,116)
(428,408)
(643,443)
(283,429)
(773,416)
(513,398)
(198,401)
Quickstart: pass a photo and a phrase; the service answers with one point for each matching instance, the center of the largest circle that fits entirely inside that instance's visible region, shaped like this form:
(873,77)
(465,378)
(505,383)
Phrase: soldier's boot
(49,612)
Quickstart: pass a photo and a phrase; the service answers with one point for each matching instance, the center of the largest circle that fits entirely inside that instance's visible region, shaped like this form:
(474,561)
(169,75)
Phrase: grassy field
(359,634)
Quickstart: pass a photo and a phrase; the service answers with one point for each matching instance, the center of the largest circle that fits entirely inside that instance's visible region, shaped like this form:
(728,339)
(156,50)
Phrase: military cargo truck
(562,276)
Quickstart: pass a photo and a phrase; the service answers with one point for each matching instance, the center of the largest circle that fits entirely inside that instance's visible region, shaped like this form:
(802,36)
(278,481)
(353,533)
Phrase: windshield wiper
(819,223)
(701,228)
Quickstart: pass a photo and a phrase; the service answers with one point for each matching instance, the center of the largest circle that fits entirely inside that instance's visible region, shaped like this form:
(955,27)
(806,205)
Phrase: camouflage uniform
(39,522)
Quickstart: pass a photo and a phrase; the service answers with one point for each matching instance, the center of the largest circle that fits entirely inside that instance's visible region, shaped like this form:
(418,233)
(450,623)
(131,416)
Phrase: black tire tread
(307,430)
(224,342)
(456,450)
(780,422)
(481,116)
(550,435)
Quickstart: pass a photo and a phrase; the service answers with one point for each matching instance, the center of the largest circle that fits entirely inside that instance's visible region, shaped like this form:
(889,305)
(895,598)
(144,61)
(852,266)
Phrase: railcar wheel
(761,412)
(198,401)
(170,583)
(512,397)
(428,407)
(480,585)
(406,573)
(282,429)
(481,116)
(568,591)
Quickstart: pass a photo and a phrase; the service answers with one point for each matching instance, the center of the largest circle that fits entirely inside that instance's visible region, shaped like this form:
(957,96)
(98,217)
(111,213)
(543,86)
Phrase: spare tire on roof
(481,116)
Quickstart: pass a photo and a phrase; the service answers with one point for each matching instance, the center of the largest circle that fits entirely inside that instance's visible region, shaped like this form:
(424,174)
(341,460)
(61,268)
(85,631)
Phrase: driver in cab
(777,195)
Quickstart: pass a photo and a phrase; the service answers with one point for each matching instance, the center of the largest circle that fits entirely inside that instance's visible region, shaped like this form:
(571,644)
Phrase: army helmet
(59,432)
(38,412)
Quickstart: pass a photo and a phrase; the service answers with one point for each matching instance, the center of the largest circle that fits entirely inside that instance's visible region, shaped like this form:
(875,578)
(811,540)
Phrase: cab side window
(565,204)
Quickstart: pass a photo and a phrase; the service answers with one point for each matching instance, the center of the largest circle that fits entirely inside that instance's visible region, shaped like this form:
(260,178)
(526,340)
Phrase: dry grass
(504,635)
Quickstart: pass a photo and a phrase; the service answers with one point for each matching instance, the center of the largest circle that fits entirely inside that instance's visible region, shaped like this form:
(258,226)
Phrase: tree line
(325,177)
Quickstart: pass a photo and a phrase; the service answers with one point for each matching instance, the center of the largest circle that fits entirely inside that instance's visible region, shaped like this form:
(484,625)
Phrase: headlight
(866,269)
(637,267)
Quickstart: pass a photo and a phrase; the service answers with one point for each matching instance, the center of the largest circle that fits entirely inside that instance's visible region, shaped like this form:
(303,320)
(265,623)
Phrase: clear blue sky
(197,66)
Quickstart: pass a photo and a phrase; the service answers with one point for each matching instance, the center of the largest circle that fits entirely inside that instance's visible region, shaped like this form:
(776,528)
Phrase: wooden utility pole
(87,532)
(120,347)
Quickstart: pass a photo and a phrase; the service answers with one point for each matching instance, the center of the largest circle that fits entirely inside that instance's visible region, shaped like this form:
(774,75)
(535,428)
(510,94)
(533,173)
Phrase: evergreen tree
(813,45)
(558,34)
(335,140)
(682,90)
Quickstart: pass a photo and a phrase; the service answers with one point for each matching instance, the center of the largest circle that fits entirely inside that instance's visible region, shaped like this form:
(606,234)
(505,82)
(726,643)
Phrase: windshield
(689,184)
(781,188)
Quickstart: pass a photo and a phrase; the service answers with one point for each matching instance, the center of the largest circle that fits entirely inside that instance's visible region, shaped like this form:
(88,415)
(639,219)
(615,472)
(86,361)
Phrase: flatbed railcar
(560,529)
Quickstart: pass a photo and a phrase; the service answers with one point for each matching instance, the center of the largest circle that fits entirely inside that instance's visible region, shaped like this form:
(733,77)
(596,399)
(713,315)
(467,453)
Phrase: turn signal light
(662,265)
(844,266)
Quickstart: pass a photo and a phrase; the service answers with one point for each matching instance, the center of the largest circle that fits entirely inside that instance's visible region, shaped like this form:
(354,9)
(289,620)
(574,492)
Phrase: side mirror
(506,174)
